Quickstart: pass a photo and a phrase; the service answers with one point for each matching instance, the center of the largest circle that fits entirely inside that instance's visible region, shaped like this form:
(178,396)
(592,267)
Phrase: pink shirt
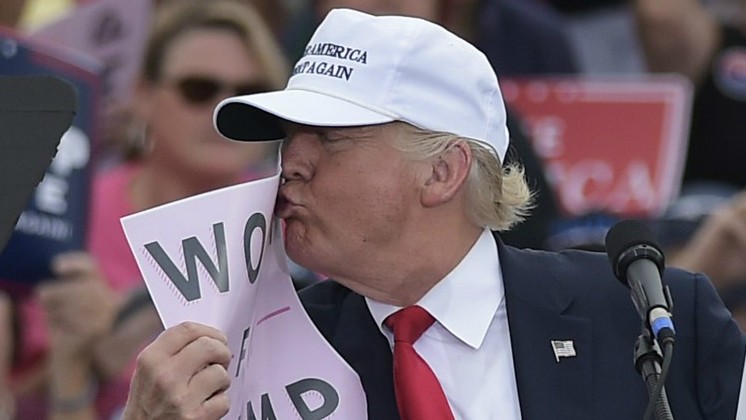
(106,240)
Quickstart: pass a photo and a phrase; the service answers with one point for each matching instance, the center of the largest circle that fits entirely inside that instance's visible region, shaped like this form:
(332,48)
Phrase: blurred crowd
(66,350)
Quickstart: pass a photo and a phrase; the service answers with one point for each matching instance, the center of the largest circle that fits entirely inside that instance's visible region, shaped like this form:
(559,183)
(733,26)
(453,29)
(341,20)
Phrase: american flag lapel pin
(563,348)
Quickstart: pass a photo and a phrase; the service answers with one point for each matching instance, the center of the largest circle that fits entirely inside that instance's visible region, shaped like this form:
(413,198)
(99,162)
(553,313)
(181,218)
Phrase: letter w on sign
(193,250)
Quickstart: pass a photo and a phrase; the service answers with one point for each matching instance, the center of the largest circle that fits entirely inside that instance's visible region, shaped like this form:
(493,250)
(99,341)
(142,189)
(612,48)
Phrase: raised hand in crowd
(718,247)
(79,308)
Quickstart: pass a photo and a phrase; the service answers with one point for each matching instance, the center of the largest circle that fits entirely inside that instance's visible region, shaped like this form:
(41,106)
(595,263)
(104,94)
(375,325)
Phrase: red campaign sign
(609,144)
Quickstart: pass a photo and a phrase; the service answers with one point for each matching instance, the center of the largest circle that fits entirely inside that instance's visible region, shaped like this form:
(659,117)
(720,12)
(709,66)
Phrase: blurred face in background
(427,9)
(731,11)
(200,67)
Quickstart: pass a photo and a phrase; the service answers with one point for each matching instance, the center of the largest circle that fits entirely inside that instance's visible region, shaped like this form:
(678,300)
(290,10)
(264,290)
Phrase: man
(392,185)
(688,38)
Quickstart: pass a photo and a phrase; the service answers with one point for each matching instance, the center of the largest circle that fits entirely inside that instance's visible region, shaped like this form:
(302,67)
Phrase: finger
(213,379)
(169,376)
(202,352)
(174,339)
(73,264)
(69,296)
(171,341)
(215,407)
(84,295)
(53,292)
(736,228)
(188,397)
(51,298)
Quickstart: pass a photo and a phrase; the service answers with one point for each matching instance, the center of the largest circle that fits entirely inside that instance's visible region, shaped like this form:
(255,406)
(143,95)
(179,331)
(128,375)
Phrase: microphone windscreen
(625,235)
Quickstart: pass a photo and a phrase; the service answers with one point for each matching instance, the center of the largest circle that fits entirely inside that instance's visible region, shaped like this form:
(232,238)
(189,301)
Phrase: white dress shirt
(741,409)
(468,347)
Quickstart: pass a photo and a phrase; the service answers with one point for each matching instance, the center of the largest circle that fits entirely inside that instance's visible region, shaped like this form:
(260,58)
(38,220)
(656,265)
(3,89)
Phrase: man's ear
(448,175)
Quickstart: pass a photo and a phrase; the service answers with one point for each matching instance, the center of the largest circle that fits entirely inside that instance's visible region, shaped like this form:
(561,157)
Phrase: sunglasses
(200,90)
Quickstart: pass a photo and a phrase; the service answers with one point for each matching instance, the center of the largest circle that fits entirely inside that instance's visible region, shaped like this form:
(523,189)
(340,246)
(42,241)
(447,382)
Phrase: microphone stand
(648,358)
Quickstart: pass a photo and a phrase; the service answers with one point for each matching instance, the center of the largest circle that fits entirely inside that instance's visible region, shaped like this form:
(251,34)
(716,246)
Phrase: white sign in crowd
(218,259)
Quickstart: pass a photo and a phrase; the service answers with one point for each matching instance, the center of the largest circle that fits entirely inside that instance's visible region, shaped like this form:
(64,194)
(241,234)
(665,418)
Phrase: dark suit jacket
(570,295)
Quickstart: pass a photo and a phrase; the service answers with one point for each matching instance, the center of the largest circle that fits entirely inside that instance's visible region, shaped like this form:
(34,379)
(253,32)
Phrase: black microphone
(638,263)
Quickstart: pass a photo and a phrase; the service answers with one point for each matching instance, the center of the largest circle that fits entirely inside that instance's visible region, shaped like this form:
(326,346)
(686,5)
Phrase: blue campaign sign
(55,217)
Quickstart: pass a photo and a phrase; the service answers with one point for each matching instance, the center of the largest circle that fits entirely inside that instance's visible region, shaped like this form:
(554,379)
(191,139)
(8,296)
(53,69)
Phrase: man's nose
(298,156)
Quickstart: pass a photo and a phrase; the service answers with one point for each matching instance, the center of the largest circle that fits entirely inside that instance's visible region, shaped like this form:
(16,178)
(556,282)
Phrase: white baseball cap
(360,69)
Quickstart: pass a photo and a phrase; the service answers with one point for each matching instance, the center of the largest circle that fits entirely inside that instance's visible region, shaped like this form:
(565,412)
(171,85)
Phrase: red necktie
(418,392)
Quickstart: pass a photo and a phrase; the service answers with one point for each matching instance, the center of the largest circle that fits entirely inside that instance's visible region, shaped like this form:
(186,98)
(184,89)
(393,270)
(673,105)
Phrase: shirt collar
(465,301)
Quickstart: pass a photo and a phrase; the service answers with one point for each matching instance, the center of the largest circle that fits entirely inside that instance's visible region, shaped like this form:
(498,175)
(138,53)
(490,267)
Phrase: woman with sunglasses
(199,52)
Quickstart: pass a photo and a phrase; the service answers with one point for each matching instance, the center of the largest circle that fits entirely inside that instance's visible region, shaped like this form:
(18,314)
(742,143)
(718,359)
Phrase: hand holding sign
(182,374)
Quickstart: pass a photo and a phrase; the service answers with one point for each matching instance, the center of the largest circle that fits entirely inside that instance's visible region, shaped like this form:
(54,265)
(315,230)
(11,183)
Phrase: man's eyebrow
(352,133)
(335,132)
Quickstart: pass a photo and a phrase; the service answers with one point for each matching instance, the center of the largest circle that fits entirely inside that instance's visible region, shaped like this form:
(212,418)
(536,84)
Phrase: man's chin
(296,250)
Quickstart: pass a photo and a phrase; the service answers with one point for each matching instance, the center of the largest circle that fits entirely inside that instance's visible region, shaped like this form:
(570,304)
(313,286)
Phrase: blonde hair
(498,196)
(176,17)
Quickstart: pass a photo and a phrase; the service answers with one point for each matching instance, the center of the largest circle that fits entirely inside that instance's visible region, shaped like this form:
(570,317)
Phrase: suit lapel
(548,387)
(360,343)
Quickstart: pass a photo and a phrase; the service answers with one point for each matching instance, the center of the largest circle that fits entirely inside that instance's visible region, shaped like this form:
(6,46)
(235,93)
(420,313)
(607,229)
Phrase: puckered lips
(286,204)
